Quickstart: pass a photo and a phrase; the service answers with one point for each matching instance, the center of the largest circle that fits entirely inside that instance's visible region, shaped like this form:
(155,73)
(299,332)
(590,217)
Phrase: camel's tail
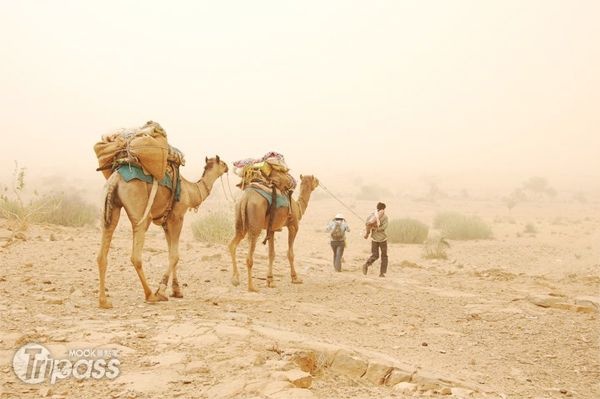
(240,215)
(111,185)
(243,204)
(150,200)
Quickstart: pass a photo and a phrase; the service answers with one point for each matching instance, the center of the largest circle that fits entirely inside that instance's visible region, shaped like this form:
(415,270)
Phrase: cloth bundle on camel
(146,147)
(268,171)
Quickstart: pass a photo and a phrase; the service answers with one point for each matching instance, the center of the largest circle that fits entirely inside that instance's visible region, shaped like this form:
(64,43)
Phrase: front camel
(251,217)
(134,196)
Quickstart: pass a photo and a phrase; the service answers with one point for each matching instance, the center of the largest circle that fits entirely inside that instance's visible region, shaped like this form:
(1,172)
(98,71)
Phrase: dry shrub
(10,208)
(530,228)
(456,226)
(55,208)
(214,228)
(407,231)
(65,210)
(435,248)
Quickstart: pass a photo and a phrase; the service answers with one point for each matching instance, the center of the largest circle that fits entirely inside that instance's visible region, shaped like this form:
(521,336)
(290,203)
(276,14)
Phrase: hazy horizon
(468,91)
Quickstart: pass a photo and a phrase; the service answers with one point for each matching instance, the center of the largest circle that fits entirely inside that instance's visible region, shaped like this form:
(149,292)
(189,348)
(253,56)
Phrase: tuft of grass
(435,248)
(214,228)
(456,226)
(530,228)
(65,210)
(10,208)
(407,231)
(55,208)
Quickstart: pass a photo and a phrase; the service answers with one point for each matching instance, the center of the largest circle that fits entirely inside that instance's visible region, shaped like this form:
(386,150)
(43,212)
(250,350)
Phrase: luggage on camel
(269,177)
(146,147)
(270,171)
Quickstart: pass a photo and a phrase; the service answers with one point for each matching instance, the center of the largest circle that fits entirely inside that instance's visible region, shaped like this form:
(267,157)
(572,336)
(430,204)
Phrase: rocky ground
(516,316)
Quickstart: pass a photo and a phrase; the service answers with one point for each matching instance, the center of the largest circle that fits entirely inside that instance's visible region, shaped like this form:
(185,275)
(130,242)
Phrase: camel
(251,218)
(134,197)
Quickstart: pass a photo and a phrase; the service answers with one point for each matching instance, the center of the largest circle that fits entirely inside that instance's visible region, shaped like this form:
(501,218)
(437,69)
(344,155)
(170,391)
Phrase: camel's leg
(292,231)
(172,232)
(239,236)
(252,237)
(175,231)
(161,292)
(270,282)
(139,233)
(107,233)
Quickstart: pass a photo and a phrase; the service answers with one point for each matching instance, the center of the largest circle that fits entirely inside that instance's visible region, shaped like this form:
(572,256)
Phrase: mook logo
(34,364)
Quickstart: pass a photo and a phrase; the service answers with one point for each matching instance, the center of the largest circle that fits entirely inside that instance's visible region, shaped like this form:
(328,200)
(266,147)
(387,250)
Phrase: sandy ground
(516,316)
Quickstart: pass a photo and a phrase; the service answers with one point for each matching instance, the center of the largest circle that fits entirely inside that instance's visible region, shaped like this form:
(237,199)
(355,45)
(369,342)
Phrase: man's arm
(383,225)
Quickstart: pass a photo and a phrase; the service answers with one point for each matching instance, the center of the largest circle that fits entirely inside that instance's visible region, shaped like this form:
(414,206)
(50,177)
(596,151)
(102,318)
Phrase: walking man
(379,242)
(337,229)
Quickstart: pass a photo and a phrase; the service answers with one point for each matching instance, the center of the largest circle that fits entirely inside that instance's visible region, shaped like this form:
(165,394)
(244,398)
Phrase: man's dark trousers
(375,247)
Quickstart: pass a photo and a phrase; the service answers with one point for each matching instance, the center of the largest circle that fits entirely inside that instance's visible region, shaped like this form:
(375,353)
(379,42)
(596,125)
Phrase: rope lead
(340,201)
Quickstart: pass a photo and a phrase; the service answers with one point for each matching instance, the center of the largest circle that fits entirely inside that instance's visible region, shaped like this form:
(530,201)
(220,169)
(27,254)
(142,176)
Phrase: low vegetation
(530,228)
(56,208)
(435,248)
(539,186)
(407,231)
(456,226)
(65,210)
(214,228)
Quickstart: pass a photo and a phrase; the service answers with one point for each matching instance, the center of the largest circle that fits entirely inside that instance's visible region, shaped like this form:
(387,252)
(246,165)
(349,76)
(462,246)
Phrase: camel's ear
(206,159)
(218,159)
(301,177)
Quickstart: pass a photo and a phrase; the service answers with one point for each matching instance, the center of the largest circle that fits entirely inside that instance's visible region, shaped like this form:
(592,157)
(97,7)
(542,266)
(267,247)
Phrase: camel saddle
(131,171)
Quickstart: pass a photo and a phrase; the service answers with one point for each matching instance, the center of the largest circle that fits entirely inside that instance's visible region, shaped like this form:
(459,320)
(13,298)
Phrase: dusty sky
(459,89)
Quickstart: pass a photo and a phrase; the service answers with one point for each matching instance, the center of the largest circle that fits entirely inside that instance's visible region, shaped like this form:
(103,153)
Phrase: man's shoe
(381,275)
(365,268)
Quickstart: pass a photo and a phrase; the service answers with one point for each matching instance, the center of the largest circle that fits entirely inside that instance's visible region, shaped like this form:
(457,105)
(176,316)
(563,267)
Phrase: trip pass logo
(33,364)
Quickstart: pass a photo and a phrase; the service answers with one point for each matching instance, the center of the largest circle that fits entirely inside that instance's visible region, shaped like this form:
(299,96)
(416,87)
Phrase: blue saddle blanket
(130,172)
(281,201)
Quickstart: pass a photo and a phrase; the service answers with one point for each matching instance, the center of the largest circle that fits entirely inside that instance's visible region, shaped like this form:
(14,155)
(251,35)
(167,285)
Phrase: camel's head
(216,162)
(309,181)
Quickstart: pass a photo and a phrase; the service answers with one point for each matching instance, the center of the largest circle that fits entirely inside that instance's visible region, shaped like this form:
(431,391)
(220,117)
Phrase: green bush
(214,228)
(407,231)
(456,226)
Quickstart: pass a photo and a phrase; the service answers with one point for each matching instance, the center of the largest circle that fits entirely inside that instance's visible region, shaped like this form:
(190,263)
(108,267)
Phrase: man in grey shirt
(337,229)
(379,242)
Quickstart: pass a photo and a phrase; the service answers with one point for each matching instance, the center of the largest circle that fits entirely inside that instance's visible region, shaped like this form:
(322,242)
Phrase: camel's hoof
(235,280)
(176,294)
(105,304)
(270,282)
(252,289)
(160,297)
(296,280)
(154,298)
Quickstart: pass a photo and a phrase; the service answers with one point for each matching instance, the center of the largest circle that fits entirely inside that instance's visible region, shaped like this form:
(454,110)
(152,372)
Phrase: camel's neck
(303,199)
(201,190)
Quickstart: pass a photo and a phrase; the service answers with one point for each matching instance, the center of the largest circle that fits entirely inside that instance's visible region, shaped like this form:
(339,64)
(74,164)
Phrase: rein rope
(341,202)
(229,187)
(202,198)
(228,199)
